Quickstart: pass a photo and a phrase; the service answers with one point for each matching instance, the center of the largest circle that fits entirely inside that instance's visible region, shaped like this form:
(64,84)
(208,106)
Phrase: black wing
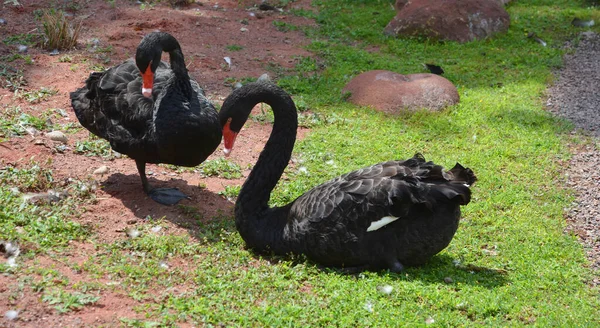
(352,202)
(111,104)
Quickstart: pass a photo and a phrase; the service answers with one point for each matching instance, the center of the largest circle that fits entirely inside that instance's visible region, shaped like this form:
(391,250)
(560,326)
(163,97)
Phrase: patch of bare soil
(208,31)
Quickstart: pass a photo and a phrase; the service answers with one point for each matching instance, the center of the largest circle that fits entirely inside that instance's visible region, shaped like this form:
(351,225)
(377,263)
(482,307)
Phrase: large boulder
(453,20)
(392,92)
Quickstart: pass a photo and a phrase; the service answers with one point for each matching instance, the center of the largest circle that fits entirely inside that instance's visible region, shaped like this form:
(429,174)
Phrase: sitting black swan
(384,216)
(151,111)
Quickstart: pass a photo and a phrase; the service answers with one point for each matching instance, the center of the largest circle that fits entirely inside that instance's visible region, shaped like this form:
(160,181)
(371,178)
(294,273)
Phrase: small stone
(22,48)
(448,280)
(54,52)
(264,78)
(133,232)
(102,170)
(243,29)
(11,315)
(57,136)
(2,21)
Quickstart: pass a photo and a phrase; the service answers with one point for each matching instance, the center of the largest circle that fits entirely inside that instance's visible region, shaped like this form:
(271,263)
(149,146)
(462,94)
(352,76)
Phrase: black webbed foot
(167,196)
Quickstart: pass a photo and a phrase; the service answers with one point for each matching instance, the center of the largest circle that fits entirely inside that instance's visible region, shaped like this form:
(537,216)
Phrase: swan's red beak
(228,138)
(147,81)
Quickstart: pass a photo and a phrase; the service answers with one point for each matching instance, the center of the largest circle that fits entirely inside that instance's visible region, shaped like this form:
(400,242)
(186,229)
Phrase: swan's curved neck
(177,63)
(258,224)
(176,60)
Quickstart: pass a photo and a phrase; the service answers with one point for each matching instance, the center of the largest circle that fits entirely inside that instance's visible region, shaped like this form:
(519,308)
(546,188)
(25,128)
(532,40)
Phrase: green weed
(222,168)
(65,59)
(36,96)
(15,122)
(230,192)
(94,146)
(64,301)
(24,39)
(58,31)
(234,47)
(284,27)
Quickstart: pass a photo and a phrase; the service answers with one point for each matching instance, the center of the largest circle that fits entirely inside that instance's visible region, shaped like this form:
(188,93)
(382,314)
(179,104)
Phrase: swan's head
(147,59)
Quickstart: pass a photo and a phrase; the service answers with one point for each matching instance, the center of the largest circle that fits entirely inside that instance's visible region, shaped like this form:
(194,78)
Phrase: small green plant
(36,96)
(33,178)
(231,192)
(107,50)
(146,5)
(234,47)
(265,116)
(65,301)
(284,27)
(96,67)
(24,39)
(65,59)
(15,122)
(58,31)
(222,168)
(15,56)
(11,78)
(94,146)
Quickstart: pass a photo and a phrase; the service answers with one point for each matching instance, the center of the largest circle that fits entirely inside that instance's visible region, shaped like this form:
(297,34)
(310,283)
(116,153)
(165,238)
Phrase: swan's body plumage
(176,125)
(383,216)
(396,211)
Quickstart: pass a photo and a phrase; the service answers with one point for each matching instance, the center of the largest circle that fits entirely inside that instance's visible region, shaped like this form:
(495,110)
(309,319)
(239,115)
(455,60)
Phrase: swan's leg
(165,196)
(141,167)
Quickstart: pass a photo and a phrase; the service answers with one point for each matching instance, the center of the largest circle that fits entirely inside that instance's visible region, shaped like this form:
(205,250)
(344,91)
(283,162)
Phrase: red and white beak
(147,81)
(228,138)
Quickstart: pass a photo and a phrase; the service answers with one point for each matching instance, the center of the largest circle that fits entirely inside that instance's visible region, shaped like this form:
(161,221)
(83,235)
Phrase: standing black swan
(384,216)
(151,111)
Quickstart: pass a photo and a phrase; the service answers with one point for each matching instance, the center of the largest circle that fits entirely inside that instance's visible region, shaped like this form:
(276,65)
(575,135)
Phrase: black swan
(151,111)
(384,216)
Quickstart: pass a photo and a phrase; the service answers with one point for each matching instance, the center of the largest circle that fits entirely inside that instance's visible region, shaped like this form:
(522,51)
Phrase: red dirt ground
(204,30)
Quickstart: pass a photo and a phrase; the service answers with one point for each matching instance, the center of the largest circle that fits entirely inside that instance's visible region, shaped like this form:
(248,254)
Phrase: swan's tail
(453,184)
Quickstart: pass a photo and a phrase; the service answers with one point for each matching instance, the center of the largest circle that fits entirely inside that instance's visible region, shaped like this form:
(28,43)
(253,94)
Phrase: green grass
(36,96)
(221,167)
(94,146)
(510,263)
(234,47)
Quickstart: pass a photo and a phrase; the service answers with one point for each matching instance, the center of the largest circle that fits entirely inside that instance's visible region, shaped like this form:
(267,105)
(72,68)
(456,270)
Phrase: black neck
(252,210)
(151,48)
